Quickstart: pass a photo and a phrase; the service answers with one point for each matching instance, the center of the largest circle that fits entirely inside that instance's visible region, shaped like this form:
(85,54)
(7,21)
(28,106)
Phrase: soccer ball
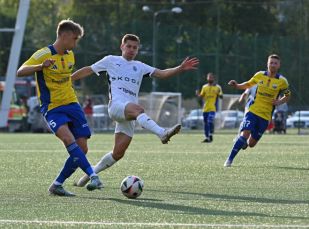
(132,186)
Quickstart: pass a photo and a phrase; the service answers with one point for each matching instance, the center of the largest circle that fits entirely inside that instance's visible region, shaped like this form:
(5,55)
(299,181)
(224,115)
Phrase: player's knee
(85,149)
(252,144)
(118,155)
(140,110)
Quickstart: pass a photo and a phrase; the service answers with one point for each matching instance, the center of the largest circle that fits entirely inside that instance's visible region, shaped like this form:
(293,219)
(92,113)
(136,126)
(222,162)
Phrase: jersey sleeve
(202,92)
(147,70)
(101,65)
(254,79)
(38,57)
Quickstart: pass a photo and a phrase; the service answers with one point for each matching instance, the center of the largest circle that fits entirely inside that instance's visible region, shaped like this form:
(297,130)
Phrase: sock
(237,146)
(206,130)
(68,169)
(106,161)
(80,159)
(211,128)
(146,122)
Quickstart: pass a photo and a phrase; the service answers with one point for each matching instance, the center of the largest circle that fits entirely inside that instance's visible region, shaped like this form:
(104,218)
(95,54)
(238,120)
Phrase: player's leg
(206,127)
(77,158)
(136,112)
(248,125)
(83,144)
(211,123)
(58,120)
(81,133)
(123,135)
(258,132)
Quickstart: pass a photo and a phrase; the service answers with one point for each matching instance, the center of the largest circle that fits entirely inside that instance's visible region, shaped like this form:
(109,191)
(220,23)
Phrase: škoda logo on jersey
(125,78)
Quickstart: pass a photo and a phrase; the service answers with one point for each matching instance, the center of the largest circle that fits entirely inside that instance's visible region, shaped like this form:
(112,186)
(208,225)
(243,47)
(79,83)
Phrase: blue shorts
(255,124)
(71,114)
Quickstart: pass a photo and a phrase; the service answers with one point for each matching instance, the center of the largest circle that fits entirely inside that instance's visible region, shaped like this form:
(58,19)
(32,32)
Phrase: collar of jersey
(53,50)
(277,74)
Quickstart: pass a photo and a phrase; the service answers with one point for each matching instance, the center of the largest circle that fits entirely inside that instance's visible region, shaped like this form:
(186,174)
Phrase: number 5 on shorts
(52,123)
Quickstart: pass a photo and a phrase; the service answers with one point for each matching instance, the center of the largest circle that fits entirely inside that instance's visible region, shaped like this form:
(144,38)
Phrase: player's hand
(276,102)
(233,83)
(189,64)
(48,63)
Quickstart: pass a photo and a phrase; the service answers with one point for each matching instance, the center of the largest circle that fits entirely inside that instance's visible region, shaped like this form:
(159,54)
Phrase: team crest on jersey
(261,82)
(135,68)
(70,65)
(275,86)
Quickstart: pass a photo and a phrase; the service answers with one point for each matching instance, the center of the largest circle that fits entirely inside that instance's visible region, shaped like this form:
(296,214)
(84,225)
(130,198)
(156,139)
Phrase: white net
(163,107)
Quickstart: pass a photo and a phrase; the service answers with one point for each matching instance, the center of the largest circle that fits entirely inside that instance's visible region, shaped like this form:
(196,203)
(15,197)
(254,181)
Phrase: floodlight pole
(154,35)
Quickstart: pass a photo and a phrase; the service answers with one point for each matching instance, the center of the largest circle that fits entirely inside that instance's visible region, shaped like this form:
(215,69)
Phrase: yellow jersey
(210,95)
(267,90)
(54,85)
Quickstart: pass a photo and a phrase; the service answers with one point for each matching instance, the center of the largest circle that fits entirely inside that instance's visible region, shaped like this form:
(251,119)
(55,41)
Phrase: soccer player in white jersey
(125,77)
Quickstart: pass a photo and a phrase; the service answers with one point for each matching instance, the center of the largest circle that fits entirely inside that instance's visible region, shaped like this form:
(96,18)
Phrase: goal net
(163,107)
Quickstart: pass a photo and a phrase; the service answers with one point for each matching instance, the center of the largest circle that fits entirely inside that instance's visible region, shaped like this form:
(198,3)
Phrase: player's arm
(186,65)
(243,96)
(284,99)
(198,93)
(82,73)
(220,94)
(26,70)
(242,86)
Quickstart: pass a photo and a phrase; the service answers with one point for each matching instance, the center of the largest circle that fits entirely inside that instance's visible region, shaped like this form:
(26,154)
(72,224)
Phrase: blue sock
(211,128)
(206,129)
(237,146)
(67,170)
(80,159)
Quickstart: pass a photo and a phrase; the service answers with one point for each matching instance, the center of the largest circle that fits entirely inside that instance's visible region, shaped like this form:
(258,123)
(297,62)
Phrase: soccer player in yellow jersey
(270,85)
(210,93)
(53,66)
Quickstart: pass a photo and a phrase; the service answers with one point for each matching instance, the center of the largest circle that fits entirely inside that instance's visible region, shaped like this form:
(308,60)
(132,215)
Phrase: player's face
(273,65)
(70,40)
(129,49)
(210,78)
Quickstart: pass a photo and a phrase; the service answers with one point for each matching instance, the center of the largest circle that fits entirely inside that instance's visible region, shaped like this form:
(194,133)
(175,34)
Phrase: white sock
(146,122)
(106,161)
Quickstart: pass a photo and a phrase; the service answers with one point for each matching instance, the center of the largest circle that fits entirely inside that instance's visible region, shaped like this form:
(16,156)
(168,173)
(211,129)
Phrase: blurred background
(232,38)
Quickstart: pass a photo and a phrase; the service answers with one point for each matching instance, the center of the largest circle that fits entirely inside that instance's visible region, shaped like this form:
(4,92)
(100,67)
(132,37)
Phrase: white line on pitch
(4,221)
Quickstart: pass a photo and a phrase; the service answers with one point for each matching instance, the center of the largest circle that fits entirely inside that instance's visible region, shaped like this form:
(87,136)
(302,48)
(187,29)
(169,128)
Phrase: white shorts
(116,112)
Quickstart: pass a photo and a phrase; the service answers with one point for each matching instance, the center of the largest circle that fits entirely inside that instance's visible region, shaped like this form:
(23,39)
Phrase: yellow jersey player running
(270,84)
(52,66)
(210,93)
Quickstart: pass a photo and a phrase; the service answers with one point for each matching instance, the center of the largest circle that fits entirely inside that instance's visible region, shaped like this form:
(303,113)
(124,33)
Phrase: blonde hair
(68,25)
(130,37)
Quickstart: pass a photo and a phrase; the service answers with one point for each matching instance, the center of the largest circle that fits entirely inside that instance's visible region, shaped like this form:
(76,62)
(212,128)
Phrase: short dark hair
(68,25)
(275,56)
(130,37)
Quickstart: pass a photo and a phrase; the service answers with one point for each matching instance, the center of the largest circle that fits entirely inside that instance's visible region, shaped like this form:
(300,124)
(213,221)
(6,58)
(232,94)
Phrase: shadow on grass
(291,168)
(241,198)
(182,208)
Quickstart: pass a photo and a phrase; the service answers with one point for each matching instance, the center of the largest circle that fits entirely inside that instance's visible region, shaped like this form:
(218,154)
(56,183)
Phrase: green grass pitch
(186,185)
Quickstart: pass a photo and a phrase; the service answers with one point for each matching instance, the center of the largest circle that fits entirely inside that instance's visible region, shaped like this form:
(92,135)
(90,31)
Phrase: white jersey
(124,77)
